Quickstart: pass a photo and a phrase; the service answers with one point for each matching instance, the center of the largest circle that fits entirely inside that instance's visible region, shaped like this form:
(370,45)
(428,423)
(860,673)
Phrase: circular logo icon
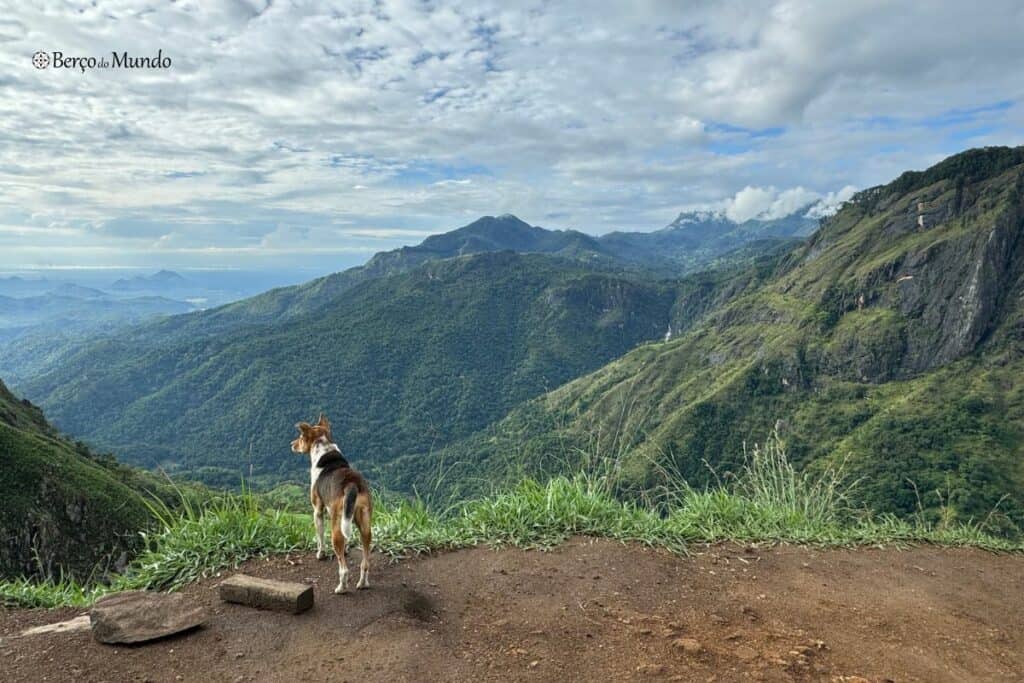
(41,60)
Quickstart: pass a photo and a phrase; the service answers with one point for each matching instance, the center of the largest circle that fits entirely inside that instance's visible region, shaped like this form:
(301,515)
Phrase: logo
(117,60)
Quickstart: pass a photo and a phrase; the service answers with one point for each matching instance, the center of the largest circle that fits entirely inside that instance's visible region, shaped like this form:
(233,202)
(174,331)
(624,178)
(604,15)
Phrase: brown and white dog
(334,485)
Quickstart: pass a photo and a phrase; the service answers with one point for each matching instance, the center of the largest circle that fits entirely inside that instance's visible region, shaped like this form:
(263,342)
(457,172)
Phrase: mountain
(891,342)
(568,306)
(661,254)
(36,331)
(402,363)
(695,239)
(65,509)
(16,286)
(487,234)
(66,309)
(34,354)
(72,289)
(162,280)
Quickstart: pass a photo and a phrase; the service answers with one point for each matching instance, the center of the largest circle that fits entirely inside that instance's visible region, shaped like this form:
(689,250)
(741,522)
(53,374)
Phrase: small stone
(81,623)
(650,669)
(745,653)
(690,646)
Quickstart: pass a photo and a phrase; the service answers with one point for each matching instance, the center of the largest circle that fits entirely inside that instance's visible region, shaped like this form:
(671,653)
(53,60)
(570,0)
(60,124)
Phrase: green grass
(768,501)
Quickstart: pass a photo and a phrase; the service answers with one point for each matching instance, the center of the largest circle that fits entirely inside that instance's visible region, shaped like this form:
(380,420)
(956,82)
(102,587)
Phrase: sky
(311,135)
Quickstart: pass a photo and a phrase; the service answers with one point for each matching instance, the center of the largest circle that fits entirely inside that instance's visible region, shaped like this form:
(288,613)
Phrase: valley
(885,344)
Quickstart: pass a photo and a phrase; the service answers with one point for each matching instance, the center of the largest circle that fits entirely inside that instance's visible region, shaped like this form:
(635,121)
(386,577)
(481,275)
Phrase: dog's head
(310,434)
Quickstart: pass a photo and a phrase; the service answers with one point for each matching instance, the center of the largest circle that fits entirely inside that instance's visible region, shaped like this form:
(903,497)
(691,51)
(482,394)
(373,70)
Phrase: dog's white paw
(341,588)
(365,583)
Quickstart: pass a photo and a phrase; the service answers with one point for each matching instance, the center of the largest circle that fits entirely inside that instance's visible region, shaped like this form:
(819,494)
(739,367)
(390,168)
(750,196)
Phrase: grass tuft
(767,501)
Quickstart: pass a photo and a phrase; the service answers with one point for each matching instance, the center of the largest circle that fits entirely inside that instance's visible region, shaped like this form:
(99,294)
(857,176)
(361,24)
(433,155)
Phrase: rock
(650,669)
(282,596)
(138,616)
(81,623)
(690,646)
(745,653)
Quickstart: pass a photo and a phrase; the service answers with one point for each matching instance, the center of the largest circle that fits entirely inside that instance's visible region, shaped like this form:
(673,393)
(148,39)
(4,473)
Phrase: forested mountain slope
(892,341)
(402,364)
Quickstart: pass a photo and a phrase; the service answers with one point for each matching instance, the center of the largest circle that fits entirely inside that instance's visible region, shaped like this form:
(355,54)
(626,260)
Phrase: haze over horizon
(313,137)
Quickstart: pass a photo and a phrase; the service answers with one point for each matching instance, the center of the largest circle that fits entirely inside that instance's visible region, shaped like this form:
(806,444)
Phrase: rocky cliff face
(933,267)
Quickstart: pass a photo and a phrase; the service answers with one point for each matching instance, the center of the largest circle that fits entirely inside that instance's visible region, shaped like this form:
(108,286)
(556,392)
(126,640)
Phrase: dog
(342,491)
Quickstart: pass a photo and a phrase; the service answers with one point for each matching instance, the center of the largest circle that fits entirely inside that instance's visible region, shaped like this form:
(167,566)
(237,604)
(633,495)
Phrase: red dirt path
(587,611)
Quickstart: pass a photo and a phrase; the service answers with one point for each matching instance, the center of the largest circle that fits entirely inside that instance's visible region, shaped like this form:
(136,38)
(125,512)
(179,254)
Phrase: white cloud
(767,203)
(749,202)
(421,116)
(831,202)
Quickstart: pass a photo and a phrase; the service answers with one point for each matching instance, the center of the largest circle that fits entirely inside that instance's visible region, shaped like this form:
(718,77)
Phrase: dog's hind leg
(318,521)
(338,540)
(363,521)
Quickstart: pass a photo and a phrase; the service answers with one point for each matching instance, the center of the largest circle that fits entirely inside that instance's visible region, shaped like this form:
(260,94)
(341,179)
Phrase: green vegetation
(402,364)
(66,510)
(767,501)
(892,340)
(894,348)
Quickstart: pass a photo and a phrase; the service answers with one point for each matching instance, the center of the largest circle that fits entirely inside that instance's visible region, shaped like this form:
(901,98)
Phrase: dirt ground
(587,611)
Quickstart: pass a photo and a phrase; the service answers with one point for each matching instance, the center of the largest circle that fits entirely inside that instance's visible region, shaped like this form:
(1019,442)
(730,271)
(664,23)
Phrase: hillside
(77,309)
(65,509)
(402,364)
(891,342)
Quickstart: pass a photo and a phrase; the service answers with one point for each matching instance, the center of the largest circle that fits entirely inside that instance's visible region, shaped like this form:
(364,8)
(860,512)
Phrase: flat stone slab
(282,596)
(138,616)
(81,623)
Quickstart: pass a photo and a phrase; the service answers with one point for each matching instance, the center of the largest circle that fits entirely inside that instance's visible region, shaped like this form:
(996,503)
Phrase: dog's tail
(350,508)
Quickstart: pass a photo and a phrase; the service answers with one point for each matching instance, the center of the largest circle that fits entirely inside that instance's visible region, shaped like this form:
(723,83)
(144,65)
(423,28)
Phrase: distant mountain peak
(698,216)
(161,278)
(166,275)
(505,219)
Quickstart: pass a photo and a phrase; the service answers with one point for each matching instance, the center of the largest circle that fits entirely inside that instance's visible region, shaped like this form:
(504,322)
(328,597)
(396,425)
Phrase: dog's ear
(324,422)
(303,427)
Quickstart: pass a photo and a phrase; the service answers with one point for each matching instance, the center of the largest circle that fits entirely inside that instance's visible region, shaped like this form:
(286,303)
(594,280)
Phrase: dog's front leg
(318,519)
